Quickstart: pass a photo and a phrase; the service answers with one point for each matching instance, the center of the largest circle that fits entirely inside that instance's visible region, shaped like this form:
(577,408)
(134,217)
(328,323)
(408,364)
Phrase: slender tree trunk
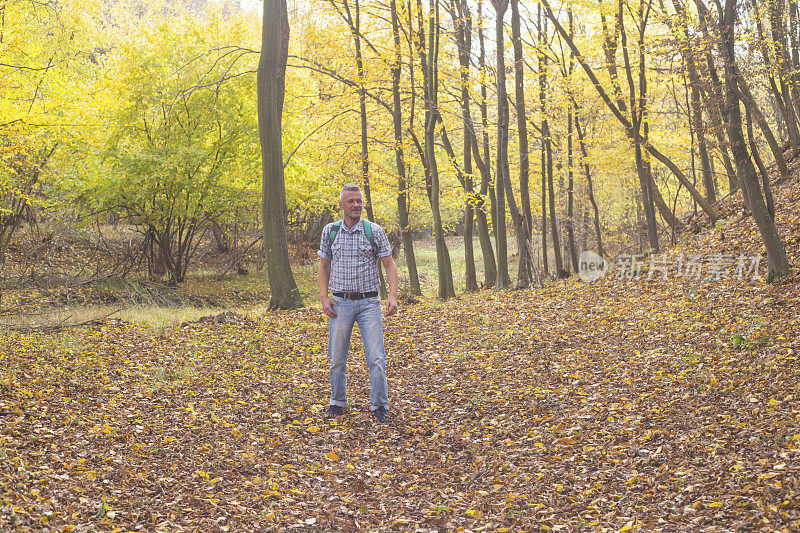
(610,46)
(547,175)
(590,185)
(355,23)
(502,174)
(545,129)
(715,98)
(636,120)
(750,104)
(402,180)
(430,71)
(696,111)
(487,191)
(270,81)
(522,227)
(759,163)
(462,22)
(573,252)
(551,200)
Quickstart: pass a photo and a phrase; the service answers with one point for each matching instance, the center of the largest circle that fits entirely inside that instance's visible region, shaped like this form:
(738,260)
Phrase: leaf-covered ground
(651,404)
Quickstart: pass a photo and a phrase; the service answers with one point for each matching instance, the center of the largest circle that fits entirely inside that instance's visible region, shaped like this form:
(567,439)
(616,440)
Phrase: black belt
(355,295)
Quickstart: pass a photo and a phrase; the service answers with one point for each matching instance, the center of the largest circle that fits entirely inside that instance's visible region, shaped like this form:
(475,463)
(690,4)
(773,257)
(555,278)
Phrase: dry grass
(159,318)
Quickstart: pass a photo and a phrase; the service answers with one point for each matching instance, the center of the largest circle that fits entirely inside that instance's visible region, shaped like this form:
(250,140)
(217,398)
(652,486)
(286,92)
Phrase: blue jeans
(367,314)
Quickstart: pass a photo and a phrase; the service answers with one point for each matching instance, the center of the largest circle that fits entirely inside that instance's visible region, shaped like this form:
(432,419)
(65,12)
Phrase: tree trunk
(355,25)
(462,23)
(696,111)
(551,200)
(542,60)
(271,86)
(715,99)
(486,192)
(502,173)
(400,162)
(573,252)
(645,180)
(524,276)
(590,185)
(750,103)
(430,72)
(759,163)
(776,254)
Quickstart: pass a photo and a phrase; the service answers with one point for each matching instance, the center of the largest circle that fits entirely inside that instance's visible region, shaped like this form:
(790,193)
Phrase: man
(349,252)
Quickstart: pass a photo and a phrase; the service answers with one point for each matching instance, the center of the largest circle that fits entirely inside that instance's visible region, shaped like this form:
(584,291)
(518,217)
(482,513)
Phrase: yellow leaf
(236,433)
(566,440)
(332,456)
(313,429)
(773,402)
(625,528)
(715,504)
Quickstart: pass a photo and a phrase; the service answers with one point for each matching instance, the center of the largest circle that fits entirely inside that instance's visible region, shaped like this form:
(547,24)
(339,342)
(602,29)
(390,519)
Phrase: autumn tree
(400,159)
(271,88)
(429,65)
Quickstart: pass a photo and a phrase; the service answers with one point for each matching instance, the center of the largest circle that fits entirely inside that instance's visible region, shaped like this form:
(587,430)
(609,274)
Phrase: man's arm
(391,277)
(323,278)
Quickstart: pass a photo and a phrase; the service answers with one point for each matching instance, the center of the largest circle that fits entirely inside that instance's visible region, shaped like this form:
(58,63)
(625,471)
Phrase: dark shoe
(334,410)
(381,414)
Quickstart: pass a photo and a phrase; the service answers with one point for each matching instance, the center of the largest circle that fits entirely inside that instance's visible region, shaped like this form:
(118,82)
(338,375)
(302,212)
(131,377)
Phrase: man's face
(352,202)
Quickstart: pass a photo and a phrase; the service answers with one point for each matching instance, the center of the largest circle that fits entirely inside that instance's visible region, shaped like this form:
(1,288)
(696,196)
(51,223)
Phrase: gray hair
(349,187)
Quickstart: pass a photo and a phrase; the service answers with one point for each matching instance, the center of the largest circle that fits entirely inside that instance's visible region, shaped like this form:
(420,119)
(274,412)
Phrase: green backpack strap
(369,235)
(332,236)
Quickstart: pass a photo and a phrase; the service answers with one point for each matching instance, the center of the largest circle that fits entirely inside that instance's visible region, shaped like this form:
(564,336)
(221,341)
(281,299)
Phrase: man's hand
(391,277)
(391,306)
(323,277)
(327,306)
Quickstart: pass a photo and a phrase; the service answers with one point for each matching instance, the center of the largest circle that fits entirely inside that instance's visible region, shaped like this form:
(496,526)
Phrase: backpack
(367,225)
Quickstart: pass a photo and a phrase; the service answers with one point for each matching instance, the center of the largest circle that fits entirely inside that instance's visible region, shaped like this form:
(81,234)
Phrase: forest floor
(665,402)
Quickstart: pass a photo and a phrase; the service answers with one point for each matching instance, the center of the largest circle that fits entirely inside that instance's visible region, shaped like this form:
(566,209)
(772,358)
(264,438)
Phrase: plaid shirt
(354,264)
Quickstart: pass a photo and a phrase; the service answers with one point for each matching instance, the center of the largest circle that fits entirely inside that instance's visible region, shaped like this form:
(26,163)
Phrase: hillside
(663,403)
